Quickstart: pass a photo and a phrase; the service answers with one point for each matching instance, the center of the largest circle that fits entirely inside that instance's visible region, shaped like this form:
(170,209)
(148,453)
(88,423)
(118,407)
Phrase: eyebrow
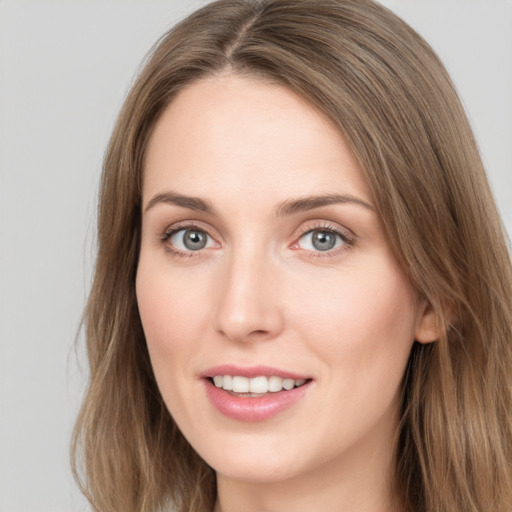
(287,208)
(192,203)
(302,204)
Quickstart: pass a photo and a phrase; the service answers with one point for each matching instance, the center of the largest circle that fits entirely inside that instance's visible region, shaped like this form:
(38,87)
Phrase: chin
(255,461)
(257,471)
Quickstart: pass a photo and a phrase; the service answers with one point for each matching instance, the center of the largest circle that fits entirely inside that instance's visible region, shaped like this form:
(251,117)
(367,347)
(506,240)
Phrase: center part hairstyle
(385,89)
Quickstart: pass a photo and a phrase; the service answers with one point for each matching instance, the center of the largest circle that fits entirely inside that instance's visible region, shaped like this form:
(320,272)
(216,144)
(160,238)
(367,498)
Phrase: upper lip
(251,371)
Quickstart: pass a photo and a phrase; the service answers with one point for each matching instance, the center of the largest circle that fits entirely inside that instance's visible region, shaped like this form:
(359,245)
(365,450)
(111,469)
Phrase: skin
(260,293)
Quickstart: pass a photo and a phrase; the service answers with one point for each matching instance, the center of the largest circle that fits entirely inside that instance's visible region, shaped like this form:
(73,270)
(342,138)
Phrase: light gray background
(64,70)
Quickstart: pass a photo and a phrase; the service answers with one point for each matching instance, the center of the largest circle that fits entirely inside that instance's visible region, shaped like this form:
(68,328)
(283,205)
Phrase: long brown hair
(390,96)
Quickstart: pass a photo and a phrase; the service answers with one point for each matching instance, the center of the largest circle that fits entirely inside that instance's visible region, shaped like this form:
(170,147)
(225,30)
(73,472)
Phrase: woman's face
(264,266)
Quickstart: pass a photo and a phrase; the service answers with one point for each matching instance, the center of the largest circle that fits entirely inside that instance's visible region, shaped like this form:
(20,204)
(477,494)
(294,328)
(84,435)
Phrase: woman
(302,291)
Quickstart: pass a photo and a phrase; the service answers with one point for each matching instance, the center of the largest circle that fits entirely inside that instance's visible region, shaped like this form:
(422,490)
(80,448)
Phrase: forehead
(227,135)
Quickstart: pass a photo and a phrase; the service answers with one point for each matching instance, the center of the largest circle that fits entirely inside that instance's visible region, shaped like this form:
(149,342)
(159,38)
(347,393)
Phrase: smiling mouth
(254,387)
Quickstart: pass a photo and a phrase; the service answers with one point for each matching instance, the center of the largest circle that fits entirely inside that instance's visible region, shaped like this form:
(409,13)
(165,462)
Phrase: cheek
(169,328)
(170,304)
(362,329)
(168,319)
(358,305)
(154,306)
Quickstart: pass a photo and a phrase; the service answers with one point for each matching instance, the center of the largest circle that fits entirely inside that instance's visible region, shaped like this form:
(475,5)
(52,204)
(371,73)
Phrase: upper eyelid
(327,226)
(303,229)
(192,224)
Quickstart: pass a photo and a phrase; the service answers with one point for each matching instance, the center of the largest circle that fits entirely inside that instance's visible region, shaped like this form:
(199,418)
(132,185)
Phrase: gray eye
(320,240)
(194,240)
(190,240)
(323,240)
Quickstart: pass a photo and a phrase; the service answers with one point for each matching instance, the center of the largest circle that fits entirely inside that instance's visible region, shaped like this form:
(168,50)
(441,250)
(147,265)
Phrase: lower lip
(252,409)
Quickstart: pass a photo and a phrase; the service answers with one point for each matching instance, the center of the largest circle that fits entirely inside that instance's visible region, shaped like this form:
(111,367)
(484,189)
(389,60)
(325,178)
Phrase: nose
(248,299)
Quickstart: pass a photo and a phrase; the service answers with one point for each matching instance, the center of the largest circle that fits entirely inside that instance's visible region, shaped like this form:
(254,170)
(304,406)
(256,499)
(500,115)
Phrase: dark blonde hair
(386,90)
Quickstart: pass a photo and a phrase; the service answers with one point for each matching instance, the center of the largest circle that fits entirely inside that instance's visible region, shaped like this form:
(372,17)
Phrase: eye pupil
(194,240)
(323,240)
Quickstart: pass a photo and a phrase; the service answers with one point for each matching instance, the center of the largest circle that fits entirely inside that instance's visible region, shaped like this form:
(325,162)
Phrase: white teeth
(288,384)
(240,384)
(275,383)
(227,383)
(258,385)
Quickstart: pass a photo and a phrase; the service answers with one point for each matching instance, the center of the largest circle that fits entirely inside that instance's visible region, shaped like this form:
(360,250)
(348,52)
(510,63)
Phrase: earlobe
(428,329)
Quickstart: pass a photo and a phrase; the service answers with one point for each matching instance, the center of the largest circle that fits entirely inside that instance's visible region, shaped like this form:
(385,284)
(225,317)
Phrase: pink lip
(252,371)
(252,409)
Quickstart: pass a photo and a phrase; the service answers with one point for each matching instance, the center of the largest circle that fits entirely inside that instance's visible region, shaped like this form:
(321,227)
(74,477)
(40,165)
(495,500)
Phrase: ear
(428,329)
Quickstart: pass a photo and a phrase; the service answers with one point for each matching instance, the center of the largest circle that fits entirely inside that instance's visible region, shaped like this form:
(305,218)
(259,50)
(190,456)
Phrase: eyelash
(347,239)
(170,232)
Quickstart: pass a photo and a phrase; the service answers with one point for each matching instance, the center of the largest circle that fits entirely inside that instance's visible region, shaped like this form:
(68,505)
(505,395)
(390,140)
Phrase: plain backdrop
(64,70)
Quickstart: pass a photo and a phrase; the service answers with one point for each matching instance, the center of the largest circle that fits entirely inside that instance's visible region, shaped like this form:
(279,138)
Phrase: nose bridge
(247,304)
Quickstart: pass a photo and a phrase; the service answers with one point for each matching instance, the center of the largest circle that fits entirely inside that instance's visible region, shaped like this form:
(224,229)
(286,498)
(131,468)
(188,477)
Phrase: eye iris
(194,240)
(323,240)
